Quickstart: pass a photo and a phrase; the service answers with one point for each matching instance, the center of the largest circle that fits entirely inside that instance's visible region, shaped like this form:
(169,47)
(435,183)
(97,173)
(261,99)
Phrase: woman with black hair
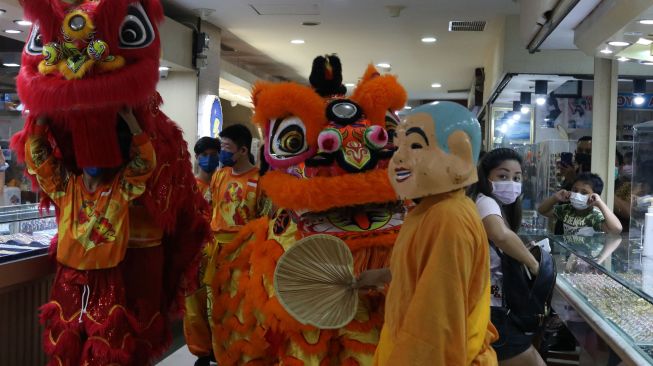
(498,200)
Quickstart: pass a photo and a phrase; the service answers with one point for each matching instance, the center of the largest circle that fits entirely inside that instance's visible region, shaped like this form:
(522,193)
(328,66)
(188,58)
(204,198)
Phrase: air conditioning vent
(466,26)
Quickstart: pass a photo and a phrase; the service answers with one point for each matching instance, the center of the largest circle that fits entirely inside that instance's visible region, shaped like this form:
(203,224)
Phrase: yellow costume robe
(438,303)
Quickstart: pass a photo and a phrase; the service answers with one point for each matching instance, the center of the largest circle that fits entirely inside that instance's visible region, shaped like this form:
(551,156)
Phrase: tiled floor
(181,357)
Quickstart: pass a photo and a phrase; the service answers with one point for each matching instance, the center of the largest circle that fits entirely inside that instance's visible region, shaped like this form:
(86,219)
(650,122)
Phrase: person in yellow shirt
(437,309)
(197,330)
(234,194)
(86,319)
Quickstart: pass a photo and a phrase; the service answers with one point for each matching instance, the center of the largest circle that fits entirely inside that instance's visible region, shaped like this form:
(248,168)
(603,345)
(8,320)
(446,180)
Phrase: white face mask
(506,192)
(579,201)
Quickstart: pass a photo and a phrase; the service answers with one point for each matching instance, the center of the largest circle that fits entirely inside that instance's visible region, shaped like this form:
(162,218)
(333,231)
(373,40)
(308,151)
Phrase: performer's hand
(373,279)
(128,115)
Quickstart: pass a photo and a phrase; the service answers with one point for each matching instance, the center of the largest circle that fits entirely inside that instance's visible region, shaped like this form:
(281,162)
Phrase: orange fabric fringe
(323,193)
(378,95)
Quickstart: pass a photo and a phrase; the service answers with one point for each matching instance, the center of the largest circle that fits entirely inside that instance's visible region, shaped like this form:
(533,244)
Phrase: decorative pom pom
(376,137)
(329,140)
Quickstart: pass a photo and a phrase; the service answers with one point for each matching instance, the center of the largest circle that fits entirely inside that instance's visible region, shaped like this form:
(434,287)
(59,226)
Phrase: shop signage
(627,101)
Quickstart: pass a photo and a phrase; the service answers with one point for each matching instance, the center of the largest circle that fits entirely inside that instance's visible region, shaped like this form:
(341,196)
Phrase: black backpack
(528,302)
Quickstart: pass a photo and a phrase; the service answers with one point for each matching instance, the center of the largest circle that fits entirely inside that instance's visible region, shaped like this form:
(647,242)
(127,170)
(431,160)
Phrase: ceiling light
(408,107)
(2,11)
(350,85)
(10,65)
(606,51)
(429,40)
(646,21)
(525,109)
(384,65)
(503,128)
(164,68)
(436,85)
(644,41)
(23,23)
(540,100)
(297,41)
(623,59)
(648,63)
(619,43)
(639,100)
(13,31)
(516,117)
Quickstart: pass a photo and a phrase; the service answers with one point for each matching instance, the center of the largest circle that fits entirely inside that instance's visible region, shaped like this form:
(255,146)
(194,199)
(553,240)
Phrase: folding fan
(314,281)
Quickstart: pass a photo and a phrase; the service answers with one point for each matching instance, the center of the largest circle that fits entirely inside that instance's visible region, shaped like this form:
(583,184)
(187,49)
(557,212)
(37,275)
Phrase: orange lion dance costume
(84,61)
(328,159)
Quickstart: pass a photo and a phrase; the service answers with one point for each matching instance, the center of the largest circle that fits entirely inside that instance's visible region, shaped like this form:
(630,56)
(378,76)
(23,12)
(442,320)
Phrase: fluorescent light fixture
(13,31)
(297,41)
(408,107)
(606,51)
(525,109)
(623,59)
(646,21)
(384,65)
(644,41)
(350,85)
(619,43)
(639,100)
(540,101)
(164,68)
(23,23)
(429,40)
(10,65)
(436,85)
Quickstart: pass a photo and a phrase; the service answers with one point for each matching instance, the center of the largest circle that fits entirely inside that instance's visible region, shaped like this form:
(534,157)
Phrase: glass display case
(642,181)
(607,283)
(25,232)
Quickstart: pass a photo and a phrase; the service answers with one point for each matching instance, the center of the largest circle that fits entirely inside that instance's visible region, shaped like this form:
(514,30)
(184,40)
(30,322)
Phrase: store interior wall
(493,65)
(179,93)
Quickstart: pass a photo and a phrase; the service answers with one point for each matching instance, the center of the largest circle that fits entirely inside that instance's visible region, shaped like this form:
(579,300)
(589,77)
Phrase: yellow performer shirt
(438,304)
(234,199)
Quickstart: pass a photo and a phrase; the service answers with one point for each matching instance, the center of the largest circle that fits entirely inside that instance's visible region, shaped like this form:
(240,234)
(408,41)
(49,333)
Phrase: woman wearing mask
(498,200)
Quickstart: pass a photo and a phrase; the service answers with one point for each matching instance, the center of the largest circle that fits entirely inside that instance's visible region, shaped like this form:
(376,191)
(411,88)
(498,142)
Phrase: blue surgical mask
(227,158)
(208,163)
(93,171)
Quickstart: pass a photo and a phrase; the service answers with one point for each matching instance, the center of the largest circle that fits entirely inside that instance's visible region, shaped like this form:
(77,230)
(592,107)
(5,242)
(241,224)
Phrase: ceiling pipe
(553,19)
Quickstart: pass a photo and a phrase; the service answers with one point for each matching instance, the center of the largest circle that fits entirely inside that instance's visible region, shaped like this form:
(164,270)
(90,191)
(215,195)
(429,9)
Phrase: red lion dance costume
(328,160)
(84,61)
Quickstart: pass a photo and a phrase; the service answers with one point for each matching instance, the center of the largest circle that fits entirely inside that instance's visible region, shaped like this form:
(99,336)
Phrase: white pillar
(604,124)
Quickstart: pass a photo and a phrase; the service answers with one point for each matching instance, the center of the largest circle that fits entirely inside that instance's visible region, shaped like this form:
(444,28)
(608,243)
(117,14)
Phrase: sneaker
(203,361)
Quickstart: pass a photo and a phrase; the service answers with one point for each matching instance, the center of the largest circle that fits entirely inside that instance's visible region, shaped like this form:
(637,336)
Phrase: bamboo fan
(314,282)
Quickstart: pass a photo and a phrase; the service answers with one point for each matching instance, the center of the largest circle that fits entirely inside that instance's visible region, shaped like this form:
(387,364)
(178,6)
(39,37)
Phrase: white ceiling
(362,31)
(562,38)
(13,12)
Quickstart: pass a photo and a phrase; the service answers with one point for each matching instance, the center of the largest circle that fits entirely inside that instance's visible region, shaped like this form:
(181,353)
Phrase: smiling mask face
(421,167)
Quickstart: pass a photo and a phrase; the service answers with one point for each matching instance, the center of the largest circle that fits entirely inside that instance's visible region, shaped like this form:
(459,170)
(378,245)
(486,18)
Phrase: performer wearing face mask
(498,200)
(582,212)
(197,330)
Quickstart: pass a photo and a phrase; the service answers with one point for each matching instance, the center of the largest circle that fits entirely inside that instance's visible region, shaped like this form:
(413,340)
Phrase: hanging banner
(216,118)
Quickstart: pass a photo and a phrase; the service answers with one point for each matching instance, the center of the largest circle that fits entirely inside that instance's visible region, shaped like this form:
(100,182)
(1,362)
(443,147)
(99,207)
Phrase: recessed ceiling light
(408,107)
(350,85)
(10,65)
(23,23)
(164,68)
(646,21)
(384,65)
(2,11)
(429,39)
(623,59)
(297,41)
(606,51)
(436,85)
(644,41)
(516,117)
(13,31)
(619,43)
